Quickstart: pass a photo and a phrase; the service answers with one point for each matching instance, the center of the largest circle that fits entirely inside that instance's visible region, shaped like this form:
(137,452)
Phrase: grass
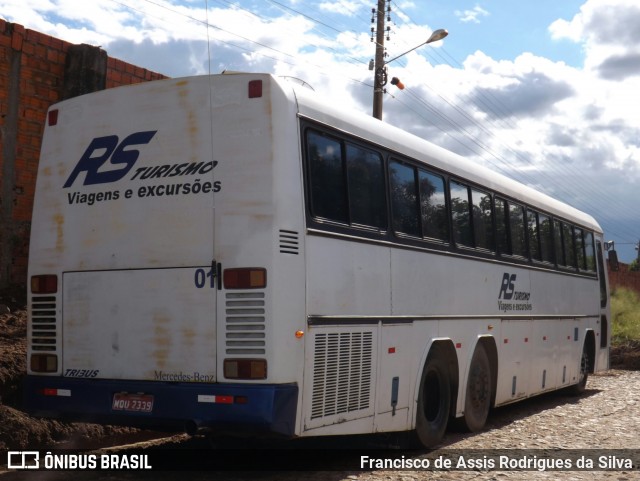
(625,311)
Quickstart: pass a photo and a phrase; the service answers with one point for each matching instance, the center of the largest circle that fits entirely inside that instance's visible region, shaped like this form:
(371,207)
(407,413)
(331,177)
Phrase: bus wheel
(579,388)
(478,393)
(434,401)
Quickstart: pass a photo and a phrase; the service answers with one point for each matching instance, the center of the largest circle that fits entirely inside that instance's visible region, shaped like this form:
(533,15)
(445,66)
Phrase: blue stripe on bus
(269,408)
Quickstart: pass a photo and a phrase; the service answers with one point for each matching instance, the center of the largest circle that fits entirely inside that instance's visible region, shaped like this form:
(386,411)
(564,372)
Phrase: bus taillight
(245,278)
(44,284)
(245,368)
(44,362)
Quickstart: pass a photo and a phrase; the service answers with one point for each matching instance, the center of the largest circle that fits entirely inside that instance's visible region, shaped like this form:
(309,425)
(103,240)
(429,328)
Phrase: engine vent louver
(245,323)
(342,373)
(289,242)
(43,323)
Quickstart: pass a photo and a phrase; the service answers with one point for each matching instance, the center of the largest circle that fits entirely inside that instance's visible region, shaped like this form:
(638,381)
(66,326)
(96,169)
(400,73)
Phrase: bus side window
(347,182)
(365,171)
(579,242)
(569,245)
(557,243)
(546,238)
(534,235)
(460,214)
(482,219)
(433,206)
(404,199)
(328,189)
(502,227)
(516,228)
(589,252)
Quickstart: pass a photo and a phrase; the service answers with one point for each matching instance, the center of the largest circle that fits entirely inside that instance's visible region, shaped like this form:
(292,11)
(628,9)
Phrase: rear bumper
(262,409)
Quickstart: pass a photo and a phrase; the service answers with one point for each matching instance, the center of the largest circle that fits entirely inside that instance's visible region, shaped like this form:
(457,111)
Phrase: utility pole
(379,68)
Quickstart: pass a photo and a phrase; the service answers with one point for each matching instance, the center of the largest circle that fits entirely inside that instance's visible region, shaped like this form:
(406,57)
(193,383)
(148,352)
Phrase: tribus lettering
(107,148)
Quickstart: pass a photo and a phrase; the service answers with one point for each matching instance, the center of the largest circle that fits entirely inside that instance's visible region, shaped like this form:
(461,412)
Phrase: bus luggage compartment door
(146,324)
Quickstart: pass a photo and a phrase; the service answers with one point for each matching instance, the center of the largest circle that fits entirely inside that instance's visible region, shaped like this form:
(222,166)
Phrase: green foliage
(625,311)
(634,265)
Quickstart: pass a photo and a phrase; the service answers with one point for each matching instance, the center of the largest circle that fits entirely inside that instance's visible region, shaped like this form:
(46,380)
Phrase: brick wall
(32,77)
(625,278)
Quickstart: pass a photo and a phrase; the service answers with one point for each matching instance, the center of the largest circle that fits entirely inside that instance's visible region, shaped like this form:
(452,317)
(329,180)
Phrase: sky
(546,92)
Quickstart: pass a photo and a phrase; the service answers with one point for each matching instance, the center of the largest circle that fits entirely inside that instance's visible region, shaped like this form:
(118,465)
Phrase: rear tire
(579,388)
(478,393)
(434,401)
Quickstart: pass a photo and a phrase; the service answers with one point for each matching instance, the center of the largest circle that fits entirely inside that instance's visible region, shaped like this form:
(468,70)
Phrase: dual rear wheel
(435,396)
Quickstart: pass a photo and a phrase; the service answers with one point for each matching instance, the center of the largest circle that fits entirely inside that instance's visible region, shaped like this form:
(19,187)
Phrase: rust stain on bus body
(58,219)
(190,117)
(161,339)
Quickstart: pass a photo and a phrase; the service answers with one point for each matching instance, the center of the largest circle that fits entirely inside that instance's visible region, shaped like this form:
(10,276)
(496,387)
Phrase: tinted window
(516,229)
(502,226)
(404,199)
(569,246)
(589,252)
(328,189)
(534,238)
(347,182)
(365,172)
(546,239)
(557,243)
(433,206)
(580,259)
(460,214)
(482,219)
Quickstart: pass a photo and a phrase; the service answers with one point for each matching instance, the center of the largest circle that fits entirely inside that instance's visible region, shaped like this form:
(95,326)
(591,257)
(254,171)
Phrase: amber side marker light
(44,284)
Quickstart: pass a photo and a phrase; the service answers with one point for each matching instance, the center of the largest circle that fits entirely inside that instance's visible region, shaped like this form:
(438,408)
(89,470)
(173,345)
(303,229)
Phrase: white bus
(233,254)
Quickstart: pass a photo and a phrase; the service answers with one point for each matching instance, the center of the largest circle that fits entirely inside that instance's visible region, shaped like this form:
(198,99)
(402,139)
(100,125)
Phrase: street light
(380,77)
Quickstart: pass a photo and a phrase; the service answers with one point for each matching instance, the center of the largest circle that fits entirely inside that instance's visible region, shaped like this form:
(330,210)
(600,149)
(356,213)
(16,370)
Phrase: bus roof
(314,107)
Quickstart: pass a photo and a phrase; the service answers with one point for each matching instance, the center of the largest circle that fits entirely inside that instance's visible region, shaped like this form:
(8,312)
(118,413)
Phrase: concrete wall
(37,70)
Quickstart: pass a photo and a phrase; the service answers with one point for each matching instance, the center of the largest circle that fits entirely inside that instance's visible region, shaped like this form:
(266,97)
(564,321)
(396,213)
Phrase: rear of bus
(164,243)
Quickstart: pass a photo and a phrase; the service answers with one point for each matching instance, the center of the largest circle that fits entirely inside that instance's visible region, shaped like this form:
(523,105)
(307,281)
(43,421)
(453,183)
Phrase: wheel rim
(478,388)
(584,361)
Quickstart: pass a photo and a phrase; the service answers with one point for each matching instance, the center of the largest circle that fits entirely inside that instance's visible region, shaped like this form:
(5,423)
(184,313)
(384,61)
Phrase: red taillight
(45,284)
(245,368)
(245,278)
(255,89)
(53,117)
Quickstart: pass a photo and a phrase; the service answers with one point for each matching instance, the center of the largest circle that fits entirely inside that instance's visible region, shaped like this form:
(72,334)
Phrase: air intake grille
(245,323)
(342,373)
(289,242)
(43,323)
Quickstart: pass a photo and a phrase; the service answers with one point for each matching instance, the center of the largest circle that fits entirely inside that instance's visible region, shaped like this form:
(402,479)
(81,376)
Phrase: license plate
(136,403)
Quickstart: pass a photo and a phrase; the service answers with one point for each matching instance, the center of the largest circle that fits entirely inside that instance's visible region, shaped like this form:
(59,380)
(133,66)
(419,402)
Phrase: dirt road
(550,427)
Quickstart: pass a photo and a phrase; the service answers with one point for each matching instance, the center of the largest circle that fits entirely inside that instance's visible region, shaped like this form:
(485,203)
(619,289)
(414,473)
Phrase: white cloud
(568,131)
(343,7)
(472,15)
